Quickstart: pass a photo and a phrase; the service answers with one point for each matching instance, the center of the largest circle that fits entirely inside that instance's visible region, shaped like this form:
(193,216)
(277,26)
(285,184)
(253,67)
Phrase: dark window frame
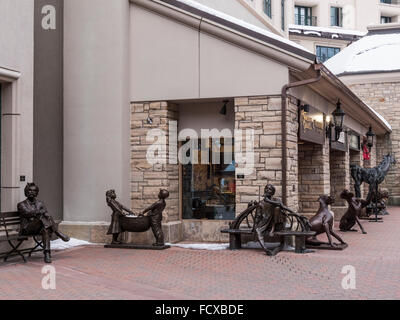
(329,52)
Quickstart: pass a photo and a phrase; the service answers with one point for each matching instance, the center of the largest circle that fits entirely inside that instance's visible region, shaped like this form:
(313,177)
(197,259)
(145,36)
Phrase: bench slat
(240,231)
(9,214)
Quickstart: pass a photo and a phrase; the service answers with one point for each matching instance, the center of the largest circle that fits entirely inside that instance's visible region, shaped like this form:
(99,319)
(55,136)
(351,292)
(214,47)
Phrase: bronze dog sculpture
(322,222)
(356,205)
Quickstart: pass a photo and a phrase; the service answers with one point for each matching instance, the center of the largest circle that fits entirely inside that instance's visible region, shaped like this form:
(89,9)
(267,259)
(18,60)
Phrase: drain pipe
(317,67)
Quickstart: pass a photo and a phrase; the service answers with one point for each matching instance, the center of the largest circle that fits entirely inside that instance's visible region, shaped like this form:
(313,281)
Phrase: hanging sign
(311,127)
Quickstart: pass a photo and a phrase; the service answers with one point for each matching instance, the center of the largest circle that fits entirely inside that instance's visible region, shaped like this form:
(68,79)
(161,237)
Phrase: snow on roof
(376,52)
(380,117)
(242,23)
(293,27)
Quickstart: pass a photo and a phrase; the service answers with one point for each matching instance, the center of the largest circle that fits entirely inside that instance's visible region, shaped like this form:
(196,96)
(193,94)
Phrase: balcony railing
(394,2)
(303,20)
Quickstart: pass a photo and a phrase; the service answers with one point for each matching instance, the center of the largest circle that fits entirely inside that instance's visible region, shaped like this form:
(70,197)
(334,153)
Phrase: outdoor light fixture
(224,108)
(370,138)
(305,108)
(338,119)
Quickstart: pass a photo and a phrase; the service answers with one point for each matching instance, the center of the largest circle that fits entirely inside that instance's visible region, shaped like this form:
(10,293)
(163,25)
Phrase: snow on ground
(201,246)
(61,245)
(293,27)
(218,246)
(242,23)
(379,52)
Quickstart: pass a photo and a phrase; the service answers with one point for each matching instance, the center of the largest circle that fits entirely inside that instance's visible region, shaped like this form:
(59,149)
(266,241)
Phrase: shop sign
(311,127)
(354,141)
(341,144)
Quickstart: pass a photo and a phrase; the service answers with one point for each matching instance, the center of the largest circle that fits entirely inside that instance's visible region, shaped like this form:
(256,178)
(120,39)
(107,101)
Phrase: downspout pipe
(285,88)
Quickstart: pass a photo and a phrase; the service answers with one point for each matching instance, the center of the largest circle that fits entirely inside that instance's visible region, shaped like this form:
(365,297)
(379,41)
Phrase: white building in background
(324,27)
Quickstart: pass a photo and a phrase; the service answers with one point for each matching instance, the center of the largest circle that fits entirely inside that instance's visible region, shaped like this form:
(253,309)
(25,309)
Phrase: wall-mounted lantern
(370,138)
(224,109)
(338,119)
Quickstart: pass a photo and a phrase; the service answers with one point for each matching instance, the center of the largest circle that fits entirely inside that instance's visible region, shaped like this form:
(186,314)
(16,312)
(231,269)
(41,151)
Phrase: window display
(209,189)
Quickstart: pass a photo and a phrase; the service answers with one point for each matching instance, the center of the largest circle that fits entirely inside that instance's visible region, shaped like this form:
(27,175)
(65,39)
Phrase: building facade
(140,83)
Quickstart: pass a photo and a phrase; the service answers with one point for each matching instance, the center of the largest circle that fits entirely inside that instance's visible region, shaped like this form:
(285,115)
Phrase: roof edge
(369,110)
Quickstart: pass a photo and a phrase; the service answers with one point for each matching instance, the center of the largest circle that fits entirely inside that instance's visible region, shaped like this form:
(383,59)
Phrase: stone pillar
(340,180)
(356,158)
(147,179)
(340,174)
(263,115)
(314,175)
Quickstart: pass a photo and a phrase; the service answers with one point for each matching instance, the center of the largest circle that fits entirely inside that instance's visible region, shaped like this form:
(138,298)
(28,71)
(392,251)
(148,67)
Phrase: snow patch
(313,32)
(61,245)
(378,52)
(327,30)
(201,246)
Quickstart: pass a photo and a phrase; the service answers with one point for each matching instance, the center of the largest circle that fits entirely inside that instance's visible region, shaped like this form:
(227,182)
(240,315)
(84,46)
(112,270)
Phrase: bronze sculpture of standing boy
(154,212)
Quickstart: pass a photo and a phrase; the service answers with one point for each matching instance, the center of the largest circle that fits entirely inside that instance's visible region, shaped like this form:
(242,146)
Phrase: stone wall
(340,175)
(263,114)
(384,97)
(147,178)
(314,175)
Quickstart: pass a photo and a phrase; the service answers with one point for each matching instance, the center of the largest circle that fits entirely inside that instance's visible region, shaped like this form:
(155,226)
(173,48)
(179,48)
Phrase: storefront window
(209,189)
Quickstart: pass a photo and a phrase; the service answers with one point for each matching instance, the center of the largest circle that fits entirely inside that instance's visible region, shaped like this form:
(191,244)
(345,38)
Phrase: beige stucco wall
(16,53)
(96,107)
(173,61)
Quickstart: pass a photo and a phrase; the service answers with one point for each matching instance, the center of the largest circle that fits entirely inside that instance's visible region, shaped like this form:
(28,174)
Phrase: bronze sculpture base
(326,246)
(136,246)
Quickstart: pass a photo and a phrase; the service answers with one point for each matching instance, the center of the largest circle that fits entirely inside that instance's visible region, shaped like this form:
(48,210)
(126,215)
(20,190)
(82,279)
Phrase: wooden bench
(9,232)
(235,238)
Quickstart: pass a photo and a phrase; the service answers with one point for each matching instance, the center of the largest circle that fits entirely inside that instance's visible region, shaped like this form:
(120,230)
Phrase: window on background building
(267,8)
(386,19)
(336,17)
(283,14)
(325,53)
(386,1)
(209,190)
(303,16)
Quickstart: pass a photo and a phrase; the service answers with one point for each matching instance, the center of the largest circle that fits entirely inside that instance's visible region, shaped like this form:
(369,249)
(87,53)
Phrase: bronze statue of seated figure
(35,220)
(321,223)
(356,205)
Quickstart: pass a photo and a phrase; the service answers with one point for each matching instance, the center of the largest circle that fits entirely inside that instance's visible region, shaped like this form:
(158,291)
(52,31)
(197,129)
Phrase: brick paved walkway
(98,273)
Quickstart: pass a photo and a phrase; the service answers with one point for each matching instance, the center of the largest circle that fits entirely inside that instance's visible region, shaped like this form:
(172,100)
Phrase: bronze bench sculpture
(33,221)
(270,217)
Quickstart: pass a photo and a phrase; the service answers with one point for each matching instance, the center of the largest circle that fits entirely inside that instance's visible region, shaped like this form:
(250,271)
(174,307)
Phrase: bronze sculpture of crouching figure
(356,205)
(36,221)
(321,223)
